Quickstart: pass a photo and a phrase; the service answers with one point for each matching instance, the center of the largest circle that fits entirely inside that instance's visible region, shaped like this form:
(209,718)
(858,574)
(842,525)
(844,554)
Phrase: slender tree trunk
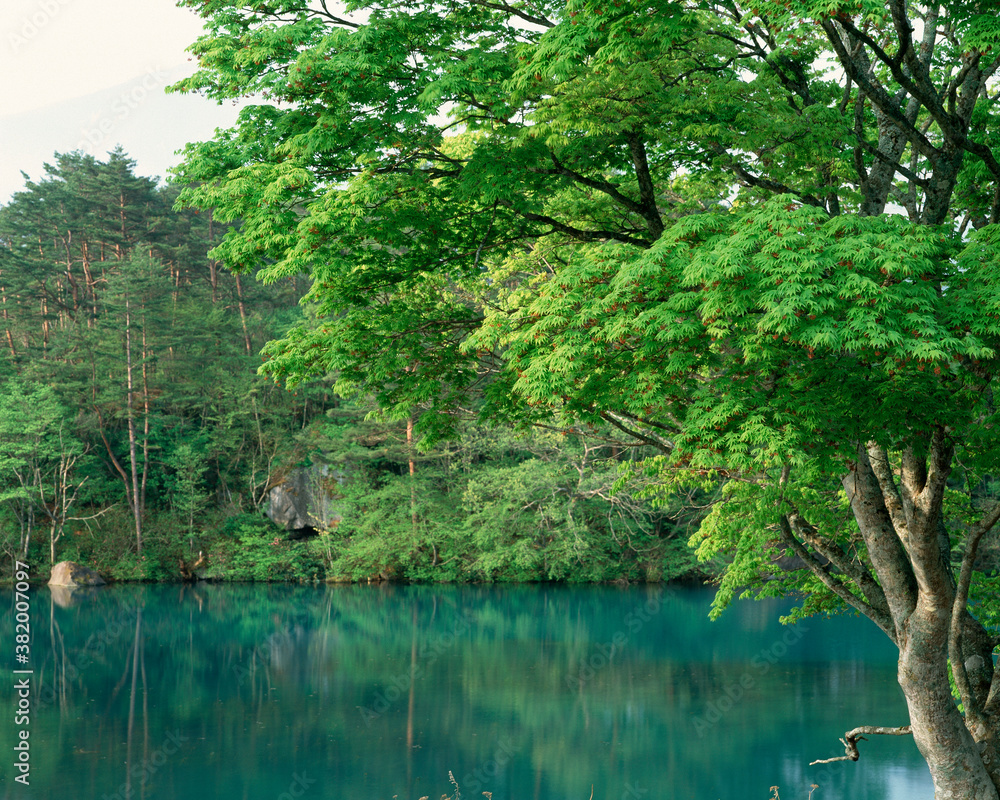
(74,288)
(45,326)
(145,424)
(243,313)
(413,471)
(111,455)
(213,265)
(91,285)
(130,399)
(25,519)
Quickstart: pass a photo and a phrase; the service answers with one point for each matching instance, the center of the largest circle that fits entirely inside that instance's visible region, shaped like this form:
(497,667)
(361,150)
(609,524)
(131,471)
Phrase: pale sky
(90,74)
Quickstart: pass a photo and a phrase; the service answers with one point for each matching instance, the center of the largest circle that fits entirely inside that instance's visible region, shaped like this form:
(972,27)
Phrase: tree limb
(650,438)
(788,538)
(534,19)
(850,567)
(879,461)
(851,738)
(577,233)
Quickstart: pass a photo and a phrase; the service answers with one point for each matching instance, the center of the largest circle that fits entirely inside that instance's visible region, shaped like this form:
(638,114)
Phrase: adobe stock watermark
(734,692)
(263,654)
(601,655)
(633,792)
(299,786)
(35,22)
(143,772)
(95,134)
(426,656)
(476,781)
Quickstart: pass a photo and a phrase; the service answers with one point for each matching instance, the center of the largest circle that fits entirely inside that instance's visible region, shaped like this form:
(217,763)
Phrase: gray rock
(69,573)
(306,498)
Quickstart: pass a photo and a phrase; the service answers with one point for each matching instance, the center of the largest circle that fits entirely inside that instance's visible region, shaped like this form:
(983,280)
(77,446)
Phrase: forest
(720,273)
(138,437)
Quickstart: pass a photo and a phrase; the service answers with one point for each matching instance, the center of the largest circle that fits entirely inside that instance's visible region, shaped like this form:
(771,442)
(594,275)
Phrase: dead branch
(851,738)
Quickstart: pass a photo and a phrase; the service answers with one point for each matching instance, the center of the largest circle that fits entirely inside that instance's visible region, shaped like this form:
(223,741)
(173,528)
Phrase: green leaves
(676,219)
(759,332)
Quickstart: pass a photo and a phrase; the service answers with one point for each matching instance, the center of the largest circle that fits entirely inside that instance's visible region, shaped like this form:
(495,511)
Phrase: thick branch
(913,78)
(885,549)
(912,478)
(874,90)
(647,192)
(772,186)
(879,461)
(650,438)
(850,567)
(602,186)
(671,429)
(929,545)
(907,173)
(335,19)
(534,19)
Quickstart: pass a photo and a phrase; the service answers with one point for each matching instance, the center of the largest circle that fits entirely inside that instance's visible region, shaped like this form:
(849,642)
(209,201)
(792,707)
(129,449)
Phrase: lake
(253,692)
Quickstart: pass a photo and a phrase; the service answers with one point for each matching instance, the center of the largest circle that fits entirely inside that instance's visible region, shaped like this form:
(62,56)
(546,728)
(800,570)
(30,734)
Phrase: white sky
(89,74)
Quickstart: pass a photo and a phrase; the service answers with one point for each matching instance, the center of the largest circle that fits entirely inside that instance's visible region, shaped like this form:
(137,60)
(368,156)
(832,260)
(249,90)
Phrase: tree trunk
(91,283)
(145,424)
(243,314)
(133,456)
(413,472)
(213,265)
(901,524)
(45,327)
(938,728)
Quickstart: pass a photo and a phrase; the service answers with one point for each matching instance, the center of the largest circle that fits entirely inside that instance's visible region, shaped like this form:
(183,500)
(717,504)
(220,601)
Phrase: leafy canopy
(756,237)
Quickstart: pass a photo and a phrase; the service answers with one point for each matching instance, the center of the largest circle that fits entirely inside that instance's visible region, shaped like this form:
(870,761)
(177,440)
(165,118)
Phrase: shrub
(252,548)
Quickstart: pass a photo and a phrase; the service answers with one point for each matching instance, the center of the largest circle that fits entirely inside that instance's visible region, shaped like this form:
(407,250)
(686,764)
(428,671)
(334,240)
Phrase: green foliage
(251,548)
(41,462)
(487,506)
(538,520)
(395,527)
(668,218)
(187,490)
(131,347)
(158,357)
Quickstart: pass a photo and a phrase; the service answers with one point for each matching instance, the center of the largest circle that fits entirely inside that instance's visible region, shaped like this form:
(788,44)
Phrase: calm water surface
(529,693)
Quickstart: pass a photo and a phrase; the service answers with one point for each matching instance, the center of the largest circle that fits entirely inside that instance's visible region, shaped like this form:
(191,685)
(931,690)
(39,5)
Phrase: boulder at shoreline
(69,573)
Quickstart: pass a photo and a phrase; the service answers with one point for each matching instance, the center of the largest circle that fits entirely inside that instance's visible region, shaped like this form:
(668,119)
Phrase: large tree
(762,238)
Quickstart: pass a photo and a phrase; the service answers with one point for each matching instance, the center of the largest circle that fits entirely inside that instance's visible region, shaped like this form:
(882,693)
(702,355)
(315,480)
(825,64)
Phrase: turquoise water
(255,692)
